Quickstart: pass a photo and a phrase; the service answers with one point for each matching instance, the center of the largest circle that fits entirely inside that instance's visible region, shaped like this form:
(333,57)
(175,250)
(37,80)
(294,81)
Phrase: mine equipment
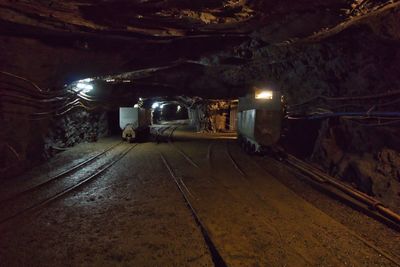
(134,123)
(259,120)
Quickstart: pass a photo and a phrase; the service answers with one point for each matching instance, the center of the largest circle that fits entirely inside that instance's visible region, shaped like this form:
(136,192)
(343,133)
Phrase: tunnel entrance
(169,111)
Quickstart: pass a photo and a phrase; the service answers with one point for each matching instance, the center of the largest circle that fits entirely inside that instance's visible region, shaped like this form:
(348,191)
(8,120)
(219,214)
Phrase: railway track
(325,179)
(236,165)
(59,175)
(161,133)
(172,130)
(367,204)
(184,191)
(233,161)
(364,201)
(31,199)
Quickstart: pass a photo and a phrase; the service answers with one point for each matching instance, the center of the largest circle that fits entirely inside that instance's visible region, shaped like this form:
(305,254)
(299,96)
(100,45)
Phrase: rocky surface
(366,157)
(27,142)
(76,127)
(134,214)
(362,58)
(217,49)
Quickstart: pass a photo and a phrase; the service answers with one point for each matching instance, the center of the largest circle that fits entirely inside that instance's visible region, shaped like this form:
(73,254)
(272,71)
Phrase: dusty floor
(255,213)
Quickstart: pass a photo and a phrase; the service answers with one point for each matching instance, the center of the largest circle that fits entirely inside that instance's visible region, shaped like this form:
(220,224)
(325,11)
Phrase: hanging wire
(44,104)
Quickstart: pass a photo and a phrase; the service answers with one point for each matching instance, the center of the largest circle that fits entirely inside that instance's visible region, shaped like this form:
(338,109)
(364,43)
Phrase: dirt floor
(254,212)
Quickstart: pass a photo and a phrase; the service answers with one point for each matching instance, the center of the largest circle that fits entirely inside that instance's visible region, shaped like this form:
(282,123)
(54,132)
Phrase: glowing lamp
(264,94)
(84,87)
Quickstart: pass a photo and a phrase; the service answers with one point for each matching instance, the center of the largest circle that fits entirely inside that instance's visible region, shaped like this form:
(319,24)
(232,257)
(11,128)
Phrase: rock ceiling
(57,42)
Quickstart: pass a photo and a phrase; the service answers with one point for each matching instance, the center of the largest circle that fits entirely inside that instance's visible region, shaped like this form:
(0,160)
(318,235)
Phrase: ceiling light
(84,87)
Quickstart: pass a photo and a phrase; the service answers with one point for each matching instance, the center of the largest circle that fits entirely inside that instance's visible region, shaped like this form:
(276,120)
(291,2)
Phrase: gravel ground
(283,228)
(255,213)
(55,165)
(372,230)
(131,216)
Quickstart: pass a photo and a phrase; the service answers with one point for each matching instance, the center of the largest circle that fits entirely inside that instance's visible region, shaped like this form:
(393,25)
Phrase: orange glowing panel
(264,94)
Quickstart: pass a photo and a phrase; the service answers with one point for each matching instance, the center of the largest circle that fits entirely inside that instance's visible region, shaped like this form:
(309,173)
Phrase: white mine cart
(134,123)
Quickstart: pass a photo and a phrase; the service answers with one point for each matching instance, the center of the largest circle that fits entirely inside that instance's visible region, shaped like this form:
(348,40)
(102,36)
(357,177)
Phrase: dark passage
(277,122)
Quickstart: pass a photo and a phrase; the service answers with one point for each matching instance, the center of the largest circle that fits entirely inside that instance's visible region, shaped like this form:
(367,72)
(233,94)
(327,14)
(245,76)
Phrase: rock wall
(212,115)
(364,156)
(73,128)
(28,142)
(358,58)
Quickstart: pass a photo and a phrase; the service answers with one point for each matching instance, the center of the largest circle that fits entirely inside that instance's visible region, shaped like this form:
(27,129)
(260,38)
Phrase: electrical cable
(23,79)
(347,114)
(347,98)
(378,124)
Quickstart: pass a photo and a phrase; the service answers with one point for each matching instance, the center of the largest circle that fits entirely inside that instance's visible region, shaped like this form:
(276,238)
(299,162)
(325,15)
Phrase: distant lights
(112,80)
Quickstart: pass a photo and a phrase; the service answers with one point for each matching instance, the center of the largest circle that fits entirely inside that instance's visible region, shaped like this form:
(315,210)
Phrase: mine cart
(134,123)
(260,117)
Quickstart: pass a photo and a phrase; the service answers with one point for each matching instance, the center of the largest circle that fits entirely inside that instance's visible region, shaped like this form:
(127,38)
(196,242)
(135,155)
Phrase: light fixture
(136,106)
(178,108)
(155,105)
(84,87)
(264,94)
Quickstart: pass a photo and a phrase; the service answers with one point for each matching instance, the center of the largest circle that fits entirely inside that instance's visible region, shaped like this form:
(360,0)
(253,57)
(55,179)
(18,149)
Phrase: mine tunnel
(200,133)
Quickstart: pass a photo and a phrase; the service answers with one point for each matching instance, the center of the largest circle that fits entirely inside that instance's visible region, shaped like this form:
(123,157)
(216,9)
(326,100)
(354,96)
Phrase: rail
(42,203)
(321,177)
(58,176)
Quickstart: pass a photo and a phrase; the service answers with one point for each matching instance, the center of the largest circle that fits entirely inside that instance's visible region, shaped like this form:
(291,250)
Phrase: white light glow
(155,105)
(265,94)
(110,80)
(163,105)
(178,108)
(84,87)
(87,80)
(136,106)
